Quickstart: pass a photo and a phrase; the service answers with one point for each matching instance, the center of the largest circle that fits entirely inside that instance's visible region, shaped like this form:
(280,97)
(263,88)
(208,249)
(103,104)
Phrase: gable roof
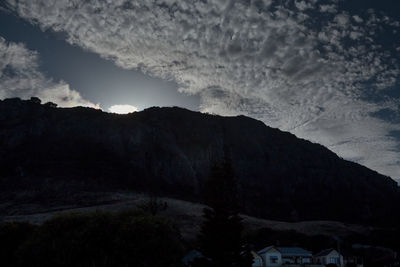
(266,249)
(294,251)
(288,251)
(324,252)
(255,254)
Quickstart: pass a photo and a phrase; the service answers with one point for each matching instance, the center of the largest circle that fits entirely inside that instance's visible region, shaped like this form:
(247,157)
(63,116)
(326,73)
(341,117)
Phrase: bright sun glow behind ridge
(123,109)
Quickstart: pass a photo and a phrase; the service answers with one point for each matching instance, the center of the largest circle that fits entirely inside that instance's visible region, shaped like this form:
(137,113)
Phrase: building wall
(257,262)
(335,254)
(332,254)
(272,253)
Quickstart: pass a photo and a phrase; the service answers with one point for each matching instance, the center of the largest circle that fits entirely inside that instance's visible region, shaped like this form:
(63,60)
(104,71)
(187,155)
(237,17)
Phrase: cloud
(328,8)
(358,19)
(20,77)
(342,20)
(322,77)
(303,5)
(122,109)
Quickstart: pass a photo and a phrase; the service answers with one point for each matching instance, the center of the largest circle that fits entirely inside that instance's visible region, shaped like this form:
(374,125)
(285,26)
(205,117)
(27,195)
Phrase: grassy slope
(188,217)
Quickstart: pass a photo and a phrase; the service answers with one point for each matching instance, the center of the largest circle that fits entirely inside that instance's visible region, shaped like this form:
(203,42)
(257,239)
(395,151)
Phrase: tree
(221,232)
(103,239)
(12,236)
(153,205)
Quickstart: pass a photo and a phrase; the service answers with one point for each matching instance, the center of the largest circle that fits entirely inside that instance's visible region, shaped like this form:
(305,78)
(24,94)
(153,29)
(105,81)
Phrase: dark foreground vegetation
(141,239)
(92,239)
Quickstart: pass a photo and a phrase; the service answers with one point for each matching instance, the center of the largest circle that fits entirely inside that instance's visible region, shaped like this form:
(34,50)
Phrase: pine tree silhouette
(220,237)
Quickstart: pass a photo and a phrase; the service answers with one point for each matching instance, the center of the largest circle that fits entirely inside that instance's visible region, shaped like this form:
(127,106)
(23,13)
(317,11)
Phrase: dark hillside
(48,155)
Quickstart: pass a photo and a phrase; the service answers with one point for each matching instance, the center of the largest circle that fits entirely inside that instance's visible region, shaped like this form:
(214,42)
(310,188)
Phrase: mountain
(60,156)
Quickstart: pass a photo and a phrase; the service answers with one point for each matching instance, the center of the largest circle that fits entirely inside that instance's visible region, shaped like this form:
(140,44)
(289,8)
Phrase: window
(334,260)
(273,259)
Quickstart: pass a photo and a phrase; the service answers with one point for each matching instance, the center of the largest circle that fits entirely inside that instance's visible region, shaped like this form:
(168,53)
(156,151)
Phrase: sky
(325,70)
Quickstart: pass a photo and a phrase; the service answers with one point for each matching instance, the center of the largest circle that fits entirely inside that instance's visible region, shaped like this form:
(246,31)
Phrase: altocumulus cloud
(20,77)
(303,66)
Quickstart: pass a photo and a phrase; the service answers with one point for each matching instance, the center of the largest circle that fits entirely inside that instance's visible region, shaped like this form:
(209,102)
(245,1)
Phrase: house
(295,255)
(353,261)
(281,256)
(190,257)
(270,256)
(257,260)
(329,256)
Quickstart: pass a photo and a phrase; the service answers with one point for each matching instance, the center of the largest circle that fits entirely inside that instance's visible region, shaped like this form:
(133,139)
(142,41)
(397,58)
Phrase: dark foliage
(265,237)
(220,238)
(12,236)
(100,239)
(153,205)
(379,248)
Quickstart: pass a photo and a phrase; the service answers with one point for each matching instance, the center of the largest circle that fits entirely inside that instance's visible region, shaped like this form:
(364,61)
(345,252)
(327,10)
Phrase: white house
(295,255)
(329,256)
(280,256)
(257,260)
(270,256)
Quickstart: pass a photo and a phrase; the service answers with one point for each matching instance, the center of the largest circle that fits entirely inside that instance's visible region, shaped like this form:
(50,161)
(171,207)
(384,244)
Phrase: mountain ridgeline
(48,154)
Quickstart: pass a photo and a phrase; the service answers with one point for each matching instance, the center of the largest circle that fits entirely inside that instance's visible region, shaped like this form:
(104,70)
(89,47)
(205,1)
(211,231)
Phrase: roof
(266,249)
(288,251)
(324,252)
(191,256)
(255,254)
(294,251)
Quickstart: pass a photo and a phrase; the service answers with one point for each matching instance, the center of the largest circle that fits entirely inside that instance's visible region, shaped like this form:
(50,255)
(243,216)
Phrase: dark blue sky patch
(396,135)
(389,7)
(388,115)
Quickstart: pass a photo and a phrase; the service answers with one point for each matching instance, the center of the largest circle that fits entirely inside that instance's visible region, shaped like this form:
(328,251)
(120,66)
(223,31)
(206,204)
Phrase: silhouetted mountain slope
(50,154)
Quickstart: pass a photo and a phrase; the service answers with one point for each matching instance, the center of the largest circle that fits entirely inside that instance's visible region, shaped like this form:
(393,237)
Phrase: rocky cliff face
(50,154)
